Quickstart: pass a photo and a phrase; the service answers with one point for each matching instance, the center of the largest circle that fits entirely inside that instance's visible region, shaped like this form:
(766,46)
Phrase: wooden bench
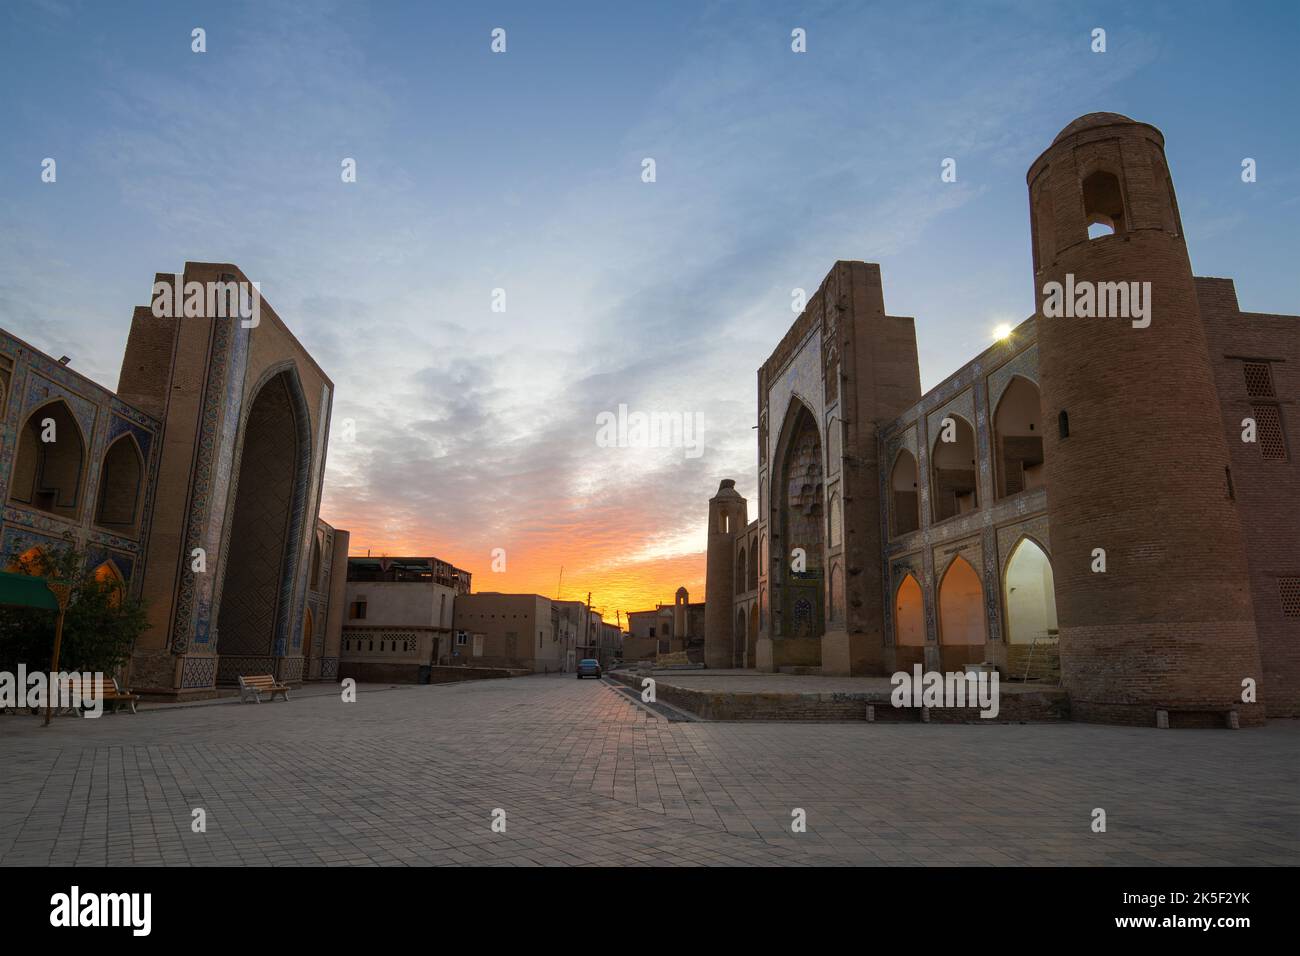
(110,692)
(106,689)
(257,685)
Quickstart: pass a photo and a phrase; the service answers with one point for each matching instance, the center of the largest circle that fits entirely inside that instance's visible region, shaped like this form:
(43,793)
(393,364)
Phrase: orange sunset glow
(620,579)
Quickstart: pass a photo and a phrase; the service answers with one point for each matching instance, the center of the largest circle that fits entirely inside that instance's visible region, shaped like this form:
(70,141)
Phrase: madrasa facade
(196,485)
(1107,503)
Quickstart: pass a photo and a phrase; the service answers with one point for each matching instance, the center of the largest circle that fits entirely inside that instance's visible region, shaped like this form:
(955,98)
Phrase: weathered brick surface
(1267,490)
(1142,473)
(1048,704)
(1043,662)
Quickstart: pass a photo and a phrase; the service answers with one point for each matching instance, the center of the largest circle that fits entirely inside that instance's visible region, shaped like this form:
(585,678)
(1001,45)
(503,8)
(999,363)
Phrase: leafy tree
(99,629)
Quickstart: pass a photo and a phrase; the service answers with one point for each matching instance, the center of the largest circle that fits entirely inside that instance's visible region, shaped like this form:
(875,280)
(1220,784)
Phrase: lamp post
(61,592)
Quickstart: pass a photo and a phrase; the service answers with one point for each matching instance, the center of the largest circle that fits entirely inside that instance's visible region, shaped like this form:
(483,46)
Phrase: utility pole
(587,623)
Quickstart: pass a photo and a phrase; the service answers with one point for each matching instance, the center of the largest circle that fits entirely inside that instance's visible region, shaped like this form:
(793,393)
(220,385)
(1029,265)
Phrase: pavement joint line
(678,715)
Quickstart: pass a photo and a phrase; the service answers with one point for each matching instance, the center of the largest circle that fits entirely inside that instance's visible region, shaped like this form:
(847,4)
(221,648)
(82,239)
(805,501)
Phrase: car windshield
(591,662)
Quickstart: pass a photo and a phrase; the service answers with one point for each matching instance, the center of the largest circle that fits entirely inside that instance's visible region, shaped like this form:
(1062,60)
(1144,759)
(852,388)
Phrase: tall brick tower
(1136,459)
(728,516)
(681,605)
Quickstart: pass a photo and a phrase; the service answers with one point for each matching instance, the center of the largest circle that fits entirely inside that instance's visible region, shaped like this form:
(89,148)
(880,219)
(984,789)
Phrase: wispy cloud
(476,429)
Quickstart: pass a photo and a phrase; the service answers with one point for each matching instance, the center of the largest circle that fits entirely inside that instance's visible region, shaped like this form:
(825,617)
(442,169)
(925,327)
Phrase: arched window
(952,482)
(1103,205)
(836,594)
(742,573)
(32,562)
(315,562)
(1018,438)
(961,605)
(121,480)
(108,576)
(909,614)
(1030,595)
(905,513)
(51,457)
(753,565)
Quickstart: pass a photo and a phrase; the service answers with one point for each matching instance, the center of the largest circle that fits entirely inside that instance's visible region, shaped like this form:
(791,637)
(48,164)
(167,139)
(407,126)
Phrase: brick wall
(1045,705)
(1267,490)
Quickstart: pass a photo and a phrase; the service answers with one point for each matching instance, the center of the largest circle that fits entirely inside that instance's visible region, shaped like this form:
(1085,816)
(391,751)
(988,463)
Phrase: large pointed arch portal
(800,494)
(261,558)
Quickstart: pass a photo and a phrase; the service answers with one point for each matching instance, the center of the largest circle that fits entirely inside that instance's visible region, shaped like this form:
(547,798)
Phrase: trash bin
(426,671)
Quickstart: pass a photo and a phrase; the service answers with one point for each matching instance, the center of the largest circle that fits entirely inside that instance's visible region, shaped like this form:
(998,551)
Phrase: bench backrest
(99,687)
(260,681)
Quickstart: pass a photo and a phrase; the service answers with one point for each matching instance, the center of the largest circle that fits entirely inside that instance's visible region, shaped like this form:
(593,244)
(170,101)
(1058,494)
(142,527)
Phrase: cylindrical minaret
(1136,462)
(680,601)
(728,516)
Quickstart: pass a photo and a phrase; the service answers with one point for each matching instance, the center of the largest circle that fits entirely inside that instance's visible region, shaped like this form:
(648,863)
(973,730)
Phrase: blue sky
(522,171)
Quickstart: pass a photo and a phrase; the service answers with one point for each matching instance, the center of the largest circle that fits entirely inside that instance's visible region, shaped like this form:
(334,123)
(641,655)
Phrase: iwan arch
(961,526)
(197,484)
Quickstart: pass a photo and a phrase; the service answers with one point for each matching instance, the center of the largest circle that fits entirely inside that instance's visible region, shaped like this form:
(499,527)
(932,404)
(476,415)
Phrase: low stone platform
(758,695)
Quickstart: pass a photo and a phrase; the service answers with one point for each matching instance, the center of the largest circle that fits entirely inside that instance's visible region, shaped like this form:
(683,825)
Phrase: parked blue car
(588,668)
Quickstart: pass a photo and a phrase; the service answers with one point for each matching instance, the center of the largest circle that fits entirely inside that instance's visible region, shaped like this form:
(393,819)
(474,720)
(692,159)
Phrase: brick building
(197,484)
(966,524)
(511,630)
(666,629)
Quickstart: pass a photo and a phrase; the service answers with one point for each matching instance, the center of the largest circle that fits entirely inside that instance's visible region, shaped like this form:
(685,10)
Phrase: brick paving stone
(410,776)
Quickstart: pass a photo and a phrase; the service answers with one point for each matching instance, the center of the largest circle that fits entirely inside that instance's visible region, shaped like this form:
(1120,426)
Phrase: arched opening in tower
(1103,205)
(254,619)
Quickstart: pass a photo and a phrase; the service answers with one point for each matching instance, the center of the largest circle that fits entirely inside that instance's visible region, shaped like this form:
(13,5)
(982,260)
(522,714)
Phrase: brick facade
(194,393)
(1136,450)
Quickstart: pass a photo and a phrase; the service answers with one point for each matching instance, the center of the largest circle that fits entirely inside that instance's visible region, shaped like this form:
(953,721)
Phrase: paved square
(411,775)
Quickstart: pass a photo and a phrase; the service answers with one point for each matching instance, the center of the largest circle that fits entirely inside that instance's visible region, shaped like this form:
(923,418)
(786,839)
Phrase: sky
(469,429)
